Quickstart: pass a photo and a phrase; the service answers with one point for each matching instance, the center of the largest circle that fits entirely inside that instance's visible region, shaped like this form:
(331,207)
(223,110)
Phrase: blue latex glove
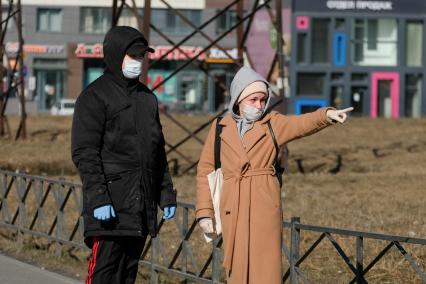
(104,213)
(169,212)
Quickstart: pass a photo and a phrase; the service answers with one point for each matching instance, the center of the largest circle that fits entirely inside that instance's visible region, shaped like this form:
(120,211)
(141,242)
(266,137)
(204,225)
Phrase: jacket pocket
(270,196)
(124,192)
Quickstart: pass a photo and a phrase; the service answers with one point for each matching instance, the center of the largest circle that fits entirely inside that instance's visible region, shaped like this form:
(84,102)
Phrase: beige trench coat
(250,204)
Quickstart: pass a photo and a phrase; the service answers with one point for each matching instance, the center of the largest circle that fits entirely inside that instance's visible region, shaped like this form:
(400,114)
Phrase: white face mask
(132,68)
(251,113)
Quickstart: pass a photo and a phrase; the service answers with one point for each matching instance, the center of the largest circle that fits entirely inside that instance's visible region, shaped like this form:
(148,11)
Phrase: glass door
(50,88)
(384,98)
(385,94)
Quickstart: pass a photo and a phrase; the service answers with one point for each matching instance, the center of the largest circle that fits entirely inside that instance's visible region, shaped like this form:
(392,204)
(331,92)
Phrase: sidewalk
(13,271)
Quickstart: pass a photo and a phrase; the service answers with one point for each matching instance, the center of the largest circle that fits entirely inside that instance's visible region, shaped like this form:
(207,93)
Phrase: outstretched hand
(336,115)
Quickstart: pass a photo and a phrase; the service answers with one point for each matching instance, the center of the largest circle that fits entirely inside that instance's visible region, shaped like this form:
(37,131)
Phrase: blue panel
(300,103)
(339,49)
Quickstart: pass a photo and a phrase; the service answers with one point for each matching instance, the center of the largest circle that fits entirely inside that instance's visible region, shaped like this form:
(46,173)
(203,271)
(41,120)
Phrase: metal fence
(359,270)
(51,209)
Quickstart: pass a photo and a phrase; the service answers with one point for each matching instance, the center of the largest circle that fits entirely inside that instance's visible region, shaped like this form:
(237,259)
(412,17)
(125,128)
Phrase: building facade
(365,54)
(63,51)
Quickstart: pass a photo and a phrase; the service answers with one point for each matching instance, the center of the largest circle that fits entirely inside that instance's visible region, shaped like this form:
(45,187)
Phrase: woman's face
(257,100)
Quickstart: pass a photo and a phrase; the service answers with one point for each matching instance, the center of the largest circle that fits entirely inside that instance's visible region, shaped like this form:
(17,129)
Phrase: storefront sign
(360,5)
(214,55)
(183,53)
(89,50)
(217,55)
(13,47)
(375,6)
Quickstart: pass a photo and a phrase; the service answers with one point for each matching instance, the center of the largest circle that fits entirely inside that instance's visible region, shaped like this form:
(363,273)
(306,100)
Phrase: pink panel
(302,22)
(387,76)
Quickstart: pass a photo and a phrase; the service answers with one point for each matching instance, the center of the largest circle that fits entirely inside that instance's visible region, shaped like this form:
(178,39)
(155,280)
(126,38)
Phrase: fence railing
(51,209)
(295,258)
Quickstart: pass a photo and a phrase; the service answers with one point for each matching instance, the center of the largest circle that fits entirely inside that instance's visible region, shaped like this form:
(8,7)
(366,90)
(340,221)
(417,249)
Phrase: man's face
(129,58)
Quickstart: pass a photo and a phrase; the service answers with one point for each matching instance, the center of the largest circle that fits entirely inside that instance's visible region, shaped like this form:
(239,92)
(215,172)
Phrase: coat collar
(251,138)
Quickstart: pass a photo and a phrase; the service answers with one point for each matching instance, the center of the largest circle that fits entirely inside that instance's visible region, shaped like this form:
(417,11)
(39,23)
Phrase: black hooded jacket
(118,147)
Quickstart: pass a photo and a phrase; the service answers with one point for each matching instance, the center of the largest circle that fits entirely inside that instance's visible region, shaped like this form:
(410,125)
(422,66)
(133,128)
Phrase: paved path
(13,271)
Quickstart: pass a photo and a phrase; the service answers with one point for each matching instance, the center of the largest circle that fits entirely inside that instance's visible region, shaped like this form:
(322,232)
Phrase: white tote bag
(215,183)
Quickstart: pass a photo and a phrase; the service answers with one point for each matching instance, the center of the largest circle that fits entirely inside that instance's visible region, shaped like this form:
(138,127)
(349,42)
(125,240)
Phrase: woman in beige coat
(250,204)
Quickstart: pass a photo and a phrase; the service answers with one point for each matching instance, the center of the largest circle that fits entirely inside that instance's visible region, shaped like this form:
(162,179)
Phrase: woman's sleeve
(291,127)
(204,205)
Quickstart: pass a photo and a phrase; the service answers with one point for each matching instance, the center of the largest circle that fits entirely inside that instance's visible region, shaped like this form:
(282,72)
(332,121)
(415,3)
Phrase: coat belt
(230,240)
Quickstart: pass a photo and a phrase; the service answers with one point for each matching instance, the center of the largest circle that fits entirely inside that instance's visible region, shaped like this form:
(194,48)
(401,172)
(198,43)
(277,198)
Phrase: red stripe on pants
(92,262)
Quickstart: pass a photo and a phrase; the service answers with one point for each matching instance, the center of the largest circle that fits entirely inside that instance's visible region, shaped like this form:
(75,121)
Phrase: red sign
(182,53)
(89,51)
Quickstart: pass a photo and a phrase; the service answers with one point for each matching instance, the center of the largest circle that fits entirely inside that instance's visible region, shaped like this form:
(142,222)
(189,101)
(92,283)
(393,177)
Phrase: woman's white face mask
(132,68)
(251,113)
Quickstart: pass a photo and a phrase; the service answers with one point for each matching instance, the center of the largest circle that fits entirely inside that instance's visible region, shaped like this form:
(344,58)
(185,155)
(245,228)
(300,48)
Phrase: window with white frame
(49,20)
(374,42)
(96,20)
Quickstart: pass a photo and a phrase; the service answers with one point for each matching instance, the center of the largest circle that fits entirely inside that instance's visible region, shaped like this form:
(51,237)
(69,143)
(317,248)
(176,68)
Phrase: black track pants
(114,260)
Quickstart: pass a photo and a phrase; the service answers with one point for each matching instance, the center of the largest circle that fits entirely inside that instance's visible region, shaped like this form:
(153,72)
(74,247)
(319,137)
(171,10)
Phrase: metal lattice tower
(253,6)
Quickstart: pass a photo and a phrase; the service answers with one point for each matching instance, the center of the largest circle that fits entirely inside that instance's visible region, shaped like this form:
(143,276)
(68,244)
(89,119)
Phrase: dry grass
(379,188)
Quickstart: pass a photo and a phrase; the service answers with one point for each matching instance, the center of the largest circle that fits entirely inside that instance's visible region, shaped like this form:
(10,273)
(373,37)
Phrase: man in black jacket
(118,148)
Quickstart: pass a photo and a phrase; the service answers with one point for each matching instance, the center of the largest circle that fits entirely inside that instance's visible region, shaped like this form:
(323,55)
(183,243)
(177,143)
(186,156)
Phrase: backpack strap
(217,163)
(277,165)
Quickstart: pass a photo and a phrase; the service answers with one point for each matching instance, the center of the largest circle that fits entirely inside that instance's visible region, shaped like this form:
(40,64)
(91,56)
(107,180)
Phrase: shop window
(49,20)
(95,20)
(413,95)
(357,98)
(375,42)
(359,77)
(414,43)
(320,40)
(301,47)
(336,99)
(384,98)
(310,84)
(336,77)
(339,25)
(93,69)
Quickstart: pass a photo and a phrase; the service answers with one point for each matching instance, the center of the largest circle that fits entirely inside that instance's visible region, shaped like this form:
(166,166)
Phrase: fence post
(59,217)
(20,187)
(184,242)
(294,248)
(154,260)
(360,260)
(216,261)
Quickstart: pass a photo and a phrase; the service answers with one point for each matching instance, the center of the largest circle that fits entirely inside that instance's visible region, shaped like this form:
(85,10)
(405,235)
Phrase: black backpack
(278,169)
